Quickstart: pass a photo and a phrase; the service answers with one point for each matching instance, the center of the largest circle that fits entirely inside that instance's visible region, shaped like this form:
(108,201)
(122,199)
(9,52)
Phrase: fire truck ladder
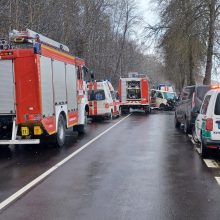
(31,36)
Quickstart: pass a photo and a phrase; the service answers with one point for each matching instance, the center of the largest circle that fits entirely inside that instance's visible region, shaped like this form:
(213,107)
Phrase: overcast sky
(148,10)
(147,7)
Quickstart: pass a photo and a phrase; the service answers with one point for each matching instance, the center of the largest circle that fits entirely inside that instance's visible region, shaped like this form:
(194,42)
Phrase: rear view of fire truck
(42,91)
(134,93)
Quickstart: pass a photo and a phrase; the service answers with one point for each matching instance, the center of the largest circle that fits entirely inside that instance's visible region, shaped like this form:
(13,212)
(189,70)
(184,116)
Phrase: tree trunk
(191,65)
(208,71)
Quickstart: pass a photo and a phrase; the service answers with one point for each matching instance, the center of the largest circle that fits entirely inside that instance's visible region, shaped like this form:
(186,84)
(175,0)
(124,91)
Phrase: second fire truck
(134,93)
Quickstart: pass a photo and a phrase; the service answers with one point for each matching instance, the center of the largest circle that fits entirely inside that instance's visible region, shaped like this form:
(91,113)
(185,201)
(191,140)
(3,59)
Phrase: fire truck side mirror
(92,75)
(37,48)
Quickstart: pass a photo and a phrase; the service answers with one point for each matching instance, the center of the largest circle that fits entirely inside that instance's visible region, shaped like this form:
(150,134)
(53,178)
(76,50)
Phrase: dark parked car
(188,106)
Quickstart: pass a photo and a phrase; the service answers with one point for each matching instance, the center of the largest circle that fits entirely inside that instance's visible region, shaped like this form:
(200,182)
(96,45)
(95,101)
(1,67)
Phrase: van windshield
(97,95)
(217,105)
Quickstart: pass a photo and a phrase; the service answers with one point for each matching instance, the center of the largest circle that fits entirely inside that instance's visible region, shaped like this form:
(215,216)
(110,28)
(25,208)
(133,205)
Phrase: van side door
(182,109)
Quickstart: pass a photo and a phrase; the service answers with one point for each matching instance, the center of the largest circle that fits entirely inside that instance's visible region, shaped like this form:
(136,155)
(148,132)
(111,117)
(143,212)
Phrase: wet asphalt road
(141,169)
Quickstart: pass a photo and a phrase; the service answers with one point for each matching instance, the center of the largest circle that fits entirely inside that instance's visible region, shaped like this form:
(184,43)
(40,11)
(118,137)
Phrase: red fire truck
(134,93)
(42,90)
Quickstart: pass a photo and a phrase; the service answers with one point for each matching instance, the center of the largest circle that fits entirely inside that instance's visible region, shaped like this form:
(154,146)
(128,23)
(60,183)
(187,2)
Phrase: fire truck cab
(42,90)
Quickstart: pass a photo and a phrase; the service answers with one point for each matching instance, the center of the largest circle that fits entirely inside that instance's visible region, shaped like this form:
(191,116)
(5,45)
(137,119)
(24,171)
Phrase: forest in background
(187,35)
(104,33)
(100,31)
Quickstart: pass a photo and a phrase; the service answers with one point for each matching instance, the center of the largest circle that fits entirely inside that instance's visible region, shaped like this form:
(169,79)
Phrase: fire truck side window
(85,72)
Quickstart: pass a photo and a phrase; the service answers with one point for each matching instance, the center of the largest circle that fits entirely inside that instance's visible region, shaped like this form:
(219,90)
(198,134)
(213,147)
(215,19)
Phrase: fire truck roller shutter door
(7,93)
(46,86)
(59,81)
(71,87)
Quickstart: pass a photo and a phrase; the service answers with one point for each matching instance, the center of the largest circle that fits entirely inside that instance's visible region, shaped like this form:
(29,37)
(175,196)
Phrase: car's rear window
(217,105)
(97,95)
(201,91)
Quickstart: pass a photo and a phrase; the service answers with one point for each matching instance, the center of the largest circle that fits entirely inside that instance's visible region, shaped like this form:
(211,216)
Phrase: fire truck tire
(147,110)
(60,136)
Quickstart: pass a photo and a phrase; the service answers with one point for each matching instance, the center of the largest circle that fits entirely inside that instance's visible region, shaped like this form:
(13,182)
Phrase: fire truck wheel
(60,136)
(147,110)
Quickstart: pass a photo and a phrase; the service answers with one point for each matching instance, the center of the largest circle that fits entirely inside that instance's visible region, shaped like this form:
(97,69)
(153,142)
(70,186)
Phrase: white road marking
(30,185)
(211,163)
(218,180)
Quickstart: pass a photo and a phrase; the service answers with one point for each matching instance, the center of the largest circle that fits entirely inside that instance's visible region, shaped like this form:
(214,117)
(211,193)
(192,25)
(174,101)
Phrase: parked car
(207,127)
(163,100)
(188,106)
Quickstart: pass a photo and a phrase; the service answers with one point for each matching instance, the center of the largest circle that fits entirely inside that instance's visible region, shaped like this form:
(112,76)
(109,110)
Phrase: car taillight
(106,105)
(209,124)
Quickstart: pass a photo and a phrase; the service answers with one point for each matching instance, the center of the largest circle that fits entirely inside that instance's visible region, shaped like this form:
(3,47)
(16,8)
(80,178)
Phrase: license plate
(25,131)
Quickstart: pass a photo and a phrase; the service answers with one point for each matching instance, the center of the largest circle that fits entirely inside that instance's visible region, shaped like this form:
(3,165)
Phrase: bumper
(212,143)
(135,106)
(14,142)
(105,115)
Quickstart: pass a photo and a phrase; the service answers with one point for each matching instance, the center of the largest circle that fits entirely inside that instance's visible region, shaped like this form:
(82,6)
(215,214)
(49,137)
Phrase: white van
(207,125)
(102,100)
